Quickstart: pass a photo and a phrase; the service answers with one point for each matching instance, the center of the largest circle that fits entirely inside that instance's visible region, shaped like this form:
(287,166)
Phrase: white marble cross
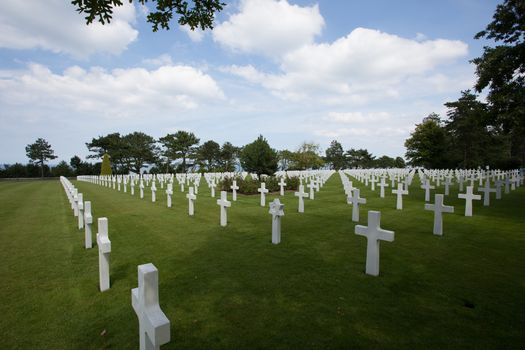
(153,191)
(75,202)
(301,194)
(399,192)
(373,181)
(427,187)
(439,208)
(104,248)
(141,189)
(212,188)
(277,211)
(169,193)
(486,192)
(468,197)
(154,326)
(373,233)
(234,188)
(182,186)
(88,220)
(282,184)
(499,185)
(382,185)
(263,192)
(448,182)
(132,187)
(224,203)
(80,203)
(191,199)
(355,200)
(311,186)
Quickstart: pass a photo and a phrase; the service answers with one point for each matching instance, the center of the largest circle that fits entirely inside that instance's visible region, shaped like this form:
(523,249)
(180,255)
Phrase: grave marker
(263,192)
(439,208)
(104,248)
(355,200)
(277,211)
(154,326)
(399,192)
(301,194)
(468,197)
(88,219)
(224,203)
(373,233)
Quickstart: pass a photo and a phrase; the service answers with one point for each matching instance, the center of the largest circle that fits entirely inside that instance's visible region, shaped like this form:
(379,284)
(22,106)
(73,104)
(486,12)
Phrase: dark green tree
(359,158)
(113,145)
(466,124)
(40,152)
(76,163)
(335,155)
(180,145)
(200,15)
(427,144)
(62,169)
(502,70)
(258,157)
(228,156)
(139,150)
(208,155)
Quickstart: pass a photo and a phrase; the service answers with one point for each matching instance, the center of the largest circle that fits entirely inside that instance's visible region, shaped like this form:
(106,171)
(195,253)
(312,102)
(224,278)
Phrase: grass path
(230,288)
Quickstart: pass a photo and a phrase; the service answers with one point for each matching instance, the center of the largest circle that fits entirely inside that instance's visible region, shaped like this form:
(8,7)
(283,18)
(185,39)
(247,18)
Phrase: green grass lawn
(230,288)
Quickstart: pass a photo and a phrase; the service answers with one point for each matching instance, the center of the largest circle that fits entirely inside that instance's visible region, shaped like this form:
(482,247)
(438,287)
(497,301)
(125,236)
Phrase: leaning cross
(373,233)
(154,326)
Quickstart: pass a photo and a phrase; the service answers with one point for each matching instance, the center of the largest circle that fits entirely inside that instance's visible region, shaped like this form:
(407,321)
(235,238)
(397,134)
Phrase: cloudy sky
(362,72)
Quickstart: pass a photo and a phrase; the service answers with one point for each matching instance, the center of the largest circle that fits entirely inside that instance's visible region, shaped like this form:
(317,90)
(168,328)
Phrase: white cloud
(269,27)
(357,117)
(55,25)
(196,35)
(162,60)
(364,66)
(120,93)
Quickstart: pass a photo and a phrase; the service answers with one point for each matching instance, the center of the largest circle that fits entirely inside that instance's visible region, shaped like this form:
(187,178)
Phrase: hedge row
(250,186)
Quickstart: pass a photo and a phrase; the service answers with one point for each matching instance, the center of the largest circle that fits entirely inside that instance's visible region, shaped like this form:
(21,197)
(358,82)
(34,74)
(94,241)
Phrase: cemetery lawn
(230,288)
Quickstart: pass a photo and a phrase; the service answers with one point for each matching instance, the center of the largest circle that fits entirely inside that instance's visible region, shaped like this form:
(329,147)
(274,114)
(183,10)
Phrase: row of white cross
(154,326)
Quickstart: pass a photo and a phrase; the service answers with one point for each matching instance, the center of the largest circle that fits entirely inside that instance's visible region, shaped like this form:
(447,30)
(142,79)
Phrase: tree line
(182,152)
(476,133)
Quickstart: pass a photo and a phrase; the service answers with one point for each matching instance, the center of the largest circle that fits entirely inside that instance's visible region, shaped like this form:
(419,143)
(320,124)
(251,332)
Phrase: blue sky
(361,72)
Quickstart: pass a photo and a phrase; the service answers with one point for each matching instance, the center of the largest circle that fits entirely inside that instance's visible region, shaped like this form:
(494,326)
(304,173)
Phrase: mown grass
(230,288)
